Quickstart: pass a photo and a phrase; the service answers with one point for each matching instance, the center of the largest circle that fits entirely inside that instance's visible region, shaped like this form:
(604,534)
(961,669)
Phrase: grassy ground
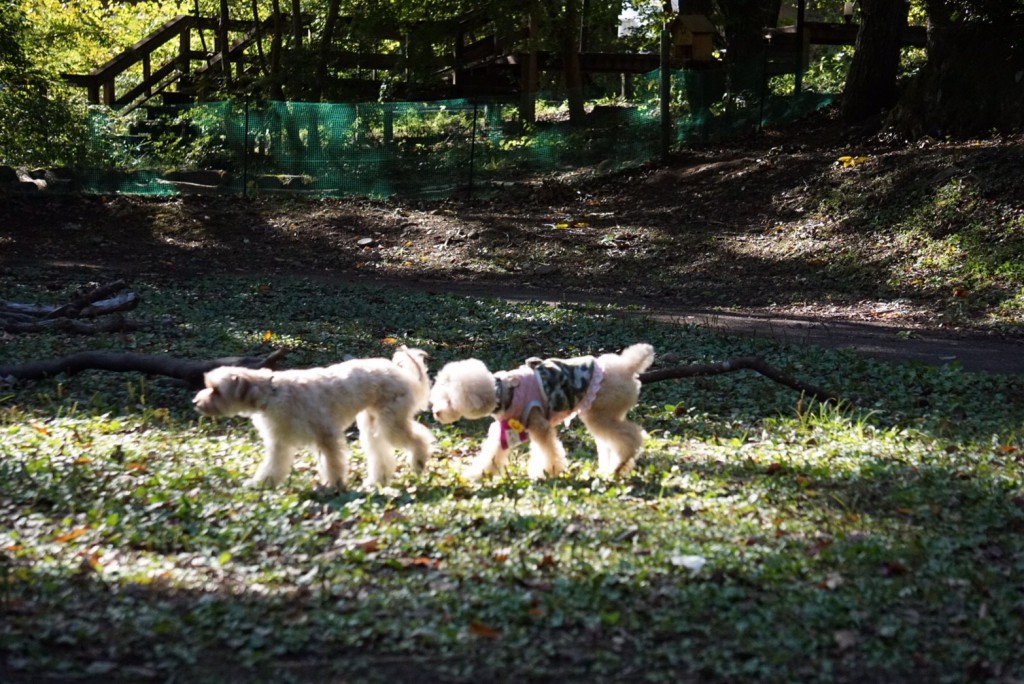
(761,537)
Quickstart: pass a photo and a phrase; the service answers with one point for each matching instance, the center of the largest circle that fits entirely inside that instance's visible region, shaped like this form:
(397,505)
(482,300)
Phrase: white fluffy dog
(528,403)
(314,407)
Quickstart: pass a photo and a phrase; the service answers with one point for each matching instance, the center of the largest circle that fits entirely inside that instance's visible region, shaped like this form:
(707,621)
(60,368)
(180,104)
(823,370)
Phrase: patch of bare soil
(737,228)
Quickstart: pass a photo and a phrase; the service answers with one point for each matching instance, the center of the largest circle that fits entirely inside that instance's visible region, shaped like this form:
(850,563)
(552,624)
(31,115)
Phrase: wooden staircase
(185,67)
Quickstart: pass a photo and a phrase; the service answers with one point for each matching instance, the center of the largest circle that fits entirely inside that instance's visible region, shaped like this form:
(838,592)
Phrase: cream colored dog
(528,403)
(314,407)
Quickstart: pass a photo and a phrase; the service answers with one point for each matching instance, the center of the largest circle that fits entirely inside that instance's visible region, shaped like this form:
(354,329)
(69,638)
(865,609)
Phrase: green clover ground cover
(760,537)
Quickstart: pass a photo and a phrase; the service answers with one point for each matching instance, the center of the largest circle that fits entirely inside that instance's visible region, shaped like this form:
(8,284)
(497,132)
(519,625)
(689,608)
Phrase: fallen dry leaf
(481,630)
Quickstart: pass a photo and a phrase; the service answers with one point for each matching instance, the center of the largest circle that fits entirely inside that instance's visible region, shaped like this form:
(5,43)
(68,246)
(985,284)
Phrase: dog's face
(232,391)
(463,389)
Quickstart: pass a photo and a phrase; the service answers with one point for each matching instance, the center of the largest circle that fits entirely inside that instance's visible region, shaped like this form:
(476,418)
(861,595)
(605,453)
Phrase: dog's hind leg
(618,442)
(380,455)
(406,434)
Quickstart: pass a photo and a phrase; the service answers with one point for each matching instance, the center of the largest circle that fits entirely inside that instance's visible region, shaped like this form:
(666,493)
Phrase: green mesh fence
(432,149)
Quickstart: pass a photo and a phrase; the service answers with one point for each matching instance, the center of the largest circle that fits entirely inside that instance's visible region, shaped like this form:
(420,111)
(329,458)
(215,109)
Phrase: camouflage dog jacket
(560,388)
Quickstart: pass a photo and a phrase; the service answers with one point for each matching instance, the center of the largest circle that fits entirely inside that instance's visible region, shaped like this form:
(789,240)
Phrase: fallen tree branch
(754,363)
(26,310)
(189,371)
(115,323)
(98,302)
(122,302)
(75,307)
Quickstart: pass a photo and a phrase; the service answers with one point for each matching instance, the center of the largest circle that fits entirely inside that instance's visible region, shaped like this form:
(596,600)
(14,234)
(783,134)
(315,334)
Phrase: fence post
(472,154)
(245,152)
(665,90)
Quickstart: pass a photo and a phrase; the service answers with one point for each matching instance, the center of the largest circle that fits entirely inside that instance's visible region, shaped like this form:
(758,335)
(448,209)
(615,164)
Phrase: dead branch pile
(96,310)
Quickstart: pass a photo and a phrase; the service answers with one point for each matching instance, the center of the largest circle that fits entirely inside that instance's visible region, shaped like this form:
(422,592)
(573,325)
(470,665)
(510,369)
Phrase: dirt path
(974,351)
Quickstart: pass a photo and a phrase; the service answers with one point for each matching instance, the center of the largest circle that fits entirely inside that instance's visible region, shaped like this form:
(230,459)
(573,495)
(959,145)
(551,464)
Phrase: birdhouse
(694,36)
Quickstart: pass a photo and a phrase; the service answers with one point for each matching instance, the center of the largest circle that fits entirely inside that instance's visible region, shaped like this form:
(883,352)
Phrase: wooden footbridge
(491,64)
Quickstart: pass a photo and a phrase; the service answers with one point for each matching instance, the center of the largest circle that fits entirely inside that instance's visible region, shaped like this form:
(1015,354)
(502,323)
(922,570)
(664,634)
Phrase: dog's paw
(544,473)
(260,482)
(419,463)
(334,488)
(475,474)
(617,468)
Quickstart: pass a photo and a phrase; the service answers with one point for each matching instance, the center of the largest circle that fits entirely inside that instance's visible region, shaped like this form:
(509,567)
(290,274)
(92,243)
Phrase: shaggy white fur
(314,407)
(467,389)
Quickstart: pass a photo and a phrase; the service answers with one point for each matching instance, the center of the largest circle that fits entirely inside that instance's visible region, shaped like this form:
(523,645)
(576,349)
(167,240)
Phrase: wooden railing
(101,83)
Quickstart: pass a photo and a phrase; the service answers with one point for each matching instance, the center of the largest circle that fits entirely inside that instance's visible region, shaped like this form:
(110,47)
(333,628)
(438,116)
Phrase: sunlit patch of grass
(947,235)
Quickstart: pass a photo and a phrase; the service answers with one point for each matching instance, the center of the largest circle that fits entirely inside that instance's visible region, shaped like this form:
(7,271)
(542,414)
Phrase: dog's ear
(481,405)
(250,390)
(415,352)
(242,386)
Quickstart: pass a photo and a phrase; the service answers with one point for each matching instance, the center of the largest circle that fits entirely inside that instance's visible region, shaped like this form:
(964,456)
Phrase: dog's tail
(414,362)
(638,357)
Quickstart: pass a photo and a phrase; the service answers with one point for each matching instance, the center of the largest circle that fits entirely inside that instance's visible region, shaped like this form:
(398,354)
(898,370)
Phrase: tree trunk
(973,82)
(222,37)
(324,53)
(871,84)
(188,371)
(571,56)
(705,7)
(296,25)
(744,24)
(754,363)
(528,73)
(263,66)
(276,41)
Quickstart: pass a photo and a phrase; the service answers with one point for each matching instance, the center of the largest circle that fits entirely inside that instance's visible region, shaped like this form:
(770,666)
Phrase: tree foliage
(44,119)
(972,81)
(38,124)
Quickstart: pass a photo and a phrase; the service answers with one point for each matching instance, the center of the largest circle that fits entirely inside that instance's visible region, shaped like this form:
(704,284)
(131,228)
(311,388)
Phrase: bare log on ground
(112,323)
(754,363)
(188,371)
(102,301)
(97,301)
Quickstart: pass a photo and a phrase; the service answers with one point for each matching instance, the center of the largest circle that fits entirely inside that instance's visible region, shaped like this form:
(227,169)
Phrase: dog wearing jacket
(529,403)
(313,407)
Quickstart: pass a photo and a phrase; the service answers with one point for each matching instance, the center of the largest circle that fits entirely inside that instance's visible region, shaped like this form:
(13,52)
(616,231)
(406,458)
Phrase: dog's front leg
(332,460)
(547,455)
(275,466)
(492,458)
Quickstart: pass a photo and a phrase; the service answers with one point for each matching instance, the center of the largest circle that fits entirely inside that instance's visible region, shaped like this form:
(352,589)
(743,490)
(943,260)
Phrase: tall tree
(973,80)
(326,45)
(224,46)
(564,19)
(871,83)
(744,23)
